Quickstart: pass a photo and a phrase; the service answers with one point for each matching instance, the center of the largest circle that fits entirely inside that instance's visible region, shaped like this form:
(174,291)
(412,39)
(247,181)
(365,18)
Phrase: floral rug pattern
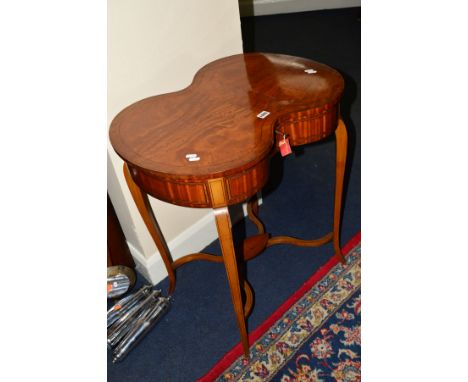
(318,339)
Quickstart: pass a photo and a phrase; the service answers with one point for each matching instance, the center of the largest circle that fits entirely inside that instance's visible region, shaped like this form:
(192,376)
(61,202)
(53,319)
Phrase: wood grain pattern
(252,214)
(216,119)
(248,300)
(275,240)
(341,135)
(196,257)
(197,193)
(223,225)
(146,212)
(310,125)
(254,246)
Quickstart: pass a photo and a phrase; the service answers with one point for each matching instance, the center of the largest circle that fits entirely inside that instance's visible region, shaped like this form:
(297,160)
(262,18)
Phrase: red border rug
(232,367)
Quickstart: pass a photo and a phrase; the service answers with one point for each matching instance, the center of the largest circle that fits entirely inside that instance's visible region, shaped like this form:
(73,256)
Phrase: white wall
(156,47)
(269,7)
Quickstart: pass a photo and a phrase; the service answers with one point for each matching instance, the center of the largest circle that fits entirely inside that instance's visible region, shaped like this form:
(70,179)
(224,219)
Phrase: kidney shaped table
(210,145)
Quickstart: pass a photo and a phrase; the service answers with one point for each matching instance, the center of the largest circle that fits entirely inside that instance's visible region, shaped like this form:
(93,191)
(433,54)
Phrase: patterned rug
(314,336)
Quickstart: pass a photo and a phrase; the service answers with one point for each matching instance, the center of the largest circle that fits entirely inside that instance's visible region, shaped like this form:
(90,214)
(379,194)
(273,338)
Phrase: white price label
(263,114)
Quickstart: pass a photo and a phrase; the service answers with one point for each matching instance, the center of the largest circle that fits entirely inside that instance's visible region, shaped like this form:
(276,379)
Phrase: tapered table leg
(223,224)
(146,212)
(341,136)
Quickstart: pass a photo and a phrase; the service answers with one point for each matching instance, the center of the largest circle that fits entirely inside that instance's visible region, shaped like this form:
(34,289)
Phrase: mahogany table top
(216,116)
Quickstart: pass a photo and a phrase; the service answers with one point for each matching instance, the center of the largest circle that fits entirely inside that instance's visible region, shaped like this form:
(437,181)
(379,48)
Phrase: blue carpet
(314,335)
(200,327)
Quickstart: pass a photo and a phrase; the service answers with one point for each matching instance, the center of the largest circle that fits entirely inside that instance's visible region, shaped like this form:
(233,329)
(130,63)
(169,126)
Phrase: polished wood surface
(300,242)
(146,212)
(252,214)
(216,119)
(223,224)
(341,138)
